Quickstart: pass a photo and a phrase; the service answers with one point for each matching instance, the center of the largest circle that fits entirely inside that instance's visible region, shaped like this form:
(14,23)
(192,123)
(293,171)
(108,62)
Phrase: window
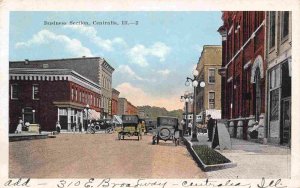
(35,91)
(62,112)
(274,105)
(14,89)
(284,25)
(211,76)
(80,99)
(72,94)
(211,100)
(272,29)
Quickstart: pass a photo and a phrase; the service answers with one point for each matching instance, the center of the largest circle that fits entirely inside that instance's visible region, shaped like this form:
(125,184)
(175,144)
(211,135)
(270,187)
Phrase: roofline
(56,71)
(63,59)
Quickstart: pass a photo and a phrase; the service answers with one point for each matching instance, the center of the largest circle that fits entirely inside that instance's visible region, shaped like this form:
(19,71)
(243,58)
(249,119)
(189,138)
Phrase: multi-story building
(114,102)
(96,69)
(208,98)
(125,107)
(243,71)
(45,96)
(279,74)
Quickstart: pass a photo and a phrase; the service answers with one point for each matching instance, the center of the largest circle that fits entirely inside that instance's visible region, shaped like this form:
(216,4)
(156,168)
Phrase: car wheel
(165,133)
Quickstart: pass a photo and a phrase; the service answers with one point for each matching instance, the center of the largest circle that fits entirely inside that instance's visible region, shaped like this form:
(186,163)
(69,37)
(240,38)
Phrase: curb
(201,164)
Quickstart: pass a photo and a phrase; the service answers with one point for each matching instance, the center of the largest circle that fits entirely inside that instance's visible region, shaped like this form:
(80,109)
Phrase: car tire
(164,133)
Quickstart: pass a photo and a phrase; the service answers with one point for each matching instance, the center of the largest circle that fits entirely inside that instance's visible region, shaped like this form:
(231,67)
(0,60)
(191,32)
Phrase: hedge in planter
(209,156)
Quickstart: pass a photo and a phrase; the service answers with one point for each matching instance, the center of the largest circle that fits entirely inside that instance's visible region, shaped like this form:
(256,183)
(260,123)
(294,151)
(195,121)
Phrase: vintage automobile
(167,129)
(150,125)
(130,127)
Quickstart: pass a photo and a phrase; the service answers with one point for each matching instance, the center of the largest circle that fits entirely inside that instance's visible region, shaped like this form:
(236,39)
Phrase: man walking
(210,127)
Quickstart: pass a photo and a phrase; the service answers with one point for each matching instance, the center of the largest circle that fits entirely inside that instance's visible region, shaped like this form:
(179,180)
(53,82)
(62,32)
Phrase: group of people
(183,130)
(21,126)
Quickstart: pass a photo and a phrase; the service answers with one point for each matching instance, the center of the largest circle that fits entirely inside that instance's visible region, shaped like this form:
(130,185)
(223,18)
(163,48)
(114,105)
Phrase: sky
(152,56)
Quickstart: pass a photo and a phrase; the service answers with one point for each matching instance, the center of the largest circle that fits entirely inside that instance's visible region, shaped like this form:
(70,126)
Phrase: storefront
(279,105)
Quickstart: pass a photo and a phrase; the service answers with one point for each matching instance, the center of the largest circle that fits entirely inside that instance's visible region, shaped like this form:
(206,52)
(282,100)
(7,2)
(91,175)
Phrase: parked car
(103,124)
(150,125)
(167,129)
(130,127)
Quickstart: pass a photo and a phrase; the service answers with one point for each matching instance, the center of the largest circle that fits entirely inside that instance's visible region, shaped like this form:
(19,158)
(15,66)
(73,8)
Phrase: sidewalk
(253,160)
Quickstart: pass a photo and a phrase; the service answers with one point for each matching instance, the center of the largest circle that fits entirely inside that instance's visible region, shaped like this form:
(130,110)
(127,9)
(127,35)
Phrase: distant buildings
(209,97)
(46,96)
(125,107)
(114,102)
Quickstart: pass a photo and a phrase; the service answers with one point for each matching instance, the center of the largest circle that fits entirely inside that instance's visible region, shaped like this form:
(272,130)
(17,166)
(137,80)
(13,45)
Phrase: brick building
(45,96)
(125,107)
(96,69)
(208,98)
(243,71)
(114,102)
(279,62)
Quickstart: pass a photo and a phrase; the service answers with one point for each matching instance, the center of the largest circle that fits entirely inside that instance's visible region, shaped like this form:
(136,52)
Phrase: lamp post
(185,98)
(195,84)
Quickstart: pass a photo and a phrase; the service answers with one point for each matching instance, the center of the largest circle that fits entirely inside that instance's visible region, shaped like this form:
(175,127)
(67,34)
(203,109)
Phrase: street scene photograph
(150,94)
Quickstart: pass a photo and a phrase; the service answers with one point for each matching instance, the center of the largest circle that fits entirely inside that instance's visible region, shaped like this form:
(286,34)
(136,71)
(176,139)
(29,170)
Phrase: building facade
(96,69)
(45,96)
(126,108)
(243,72)
(279,76)
(114,102)
(208,98)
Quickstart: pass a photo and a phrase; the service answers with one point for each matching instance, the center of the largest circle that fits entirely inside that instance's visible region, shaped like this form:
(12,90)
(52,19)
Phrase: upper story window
(211,100)
(211,75)
(14,89)
(272,29)
(35,91)
(284,25)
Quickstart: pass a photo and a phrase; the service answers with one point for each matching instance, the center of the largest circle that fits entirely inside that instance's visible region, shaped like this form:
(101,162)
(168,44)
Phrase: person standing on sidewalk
(210,127)
(190,125)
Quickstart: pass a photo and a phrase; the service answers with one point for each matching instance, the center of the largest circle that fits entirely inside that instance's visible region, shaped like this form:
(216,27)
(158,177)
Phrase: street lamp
(185,98)
(195,84)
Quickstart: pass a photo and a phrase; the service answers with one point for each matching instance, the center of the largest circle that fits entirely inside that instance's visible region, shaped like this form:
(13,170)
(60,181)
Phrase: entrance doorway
(286,122)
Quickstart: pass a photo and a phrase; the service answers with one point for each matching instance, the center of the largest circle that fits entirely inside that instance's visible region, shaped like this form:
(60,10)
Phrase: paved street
(100,156)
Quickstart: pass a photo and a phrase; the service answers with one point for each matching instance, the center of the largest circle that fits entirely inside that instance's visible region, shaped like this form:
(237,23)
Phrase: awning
(93,115)
(117,119)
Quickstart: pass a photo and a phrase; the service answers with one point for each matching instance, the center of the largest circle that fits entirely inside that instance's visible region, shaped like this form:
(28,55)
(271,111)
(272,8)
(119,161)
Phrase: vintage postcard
(149,94)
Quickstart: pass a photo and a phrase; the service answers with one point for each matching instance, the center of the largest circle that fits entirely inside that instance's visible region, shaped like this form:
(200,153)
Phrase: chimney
(26,62)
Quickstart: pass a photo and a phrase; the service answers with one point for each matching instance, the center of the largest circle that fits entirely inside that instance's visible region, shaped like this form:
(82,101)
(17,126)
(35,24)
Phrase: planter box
(206,167)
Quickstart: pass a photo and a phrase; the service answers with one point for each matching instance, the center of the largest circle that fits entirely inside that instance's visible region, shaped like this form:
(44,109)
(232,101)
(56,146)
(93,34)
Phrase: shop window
(35,91)
(284,25)
(211,98)
(272,29)
(274,105)
(14,89)
(62,111)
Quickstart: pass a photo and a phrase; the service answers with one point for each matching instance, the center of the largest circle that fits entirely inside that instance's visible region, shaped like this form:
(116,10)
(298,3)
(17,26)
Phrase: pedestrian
(190,125)
(180,128)
(80,126)
(143,127)
(210,127)
(27,126)
(58,127)
(19,128)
